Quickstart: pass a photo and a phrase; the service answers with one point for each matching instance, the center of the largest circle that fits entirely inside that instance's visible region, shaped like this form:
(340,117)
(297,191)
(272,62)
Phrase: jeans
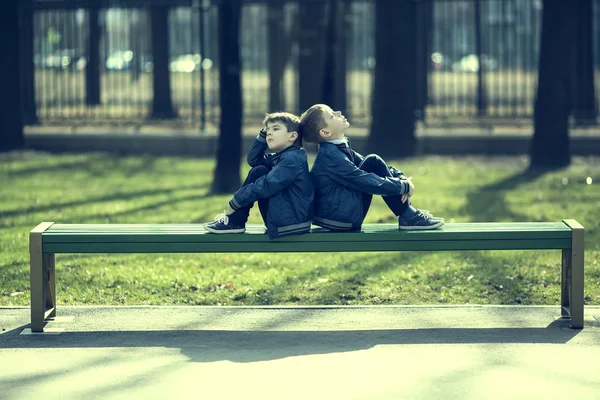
(240,216)
(375,164)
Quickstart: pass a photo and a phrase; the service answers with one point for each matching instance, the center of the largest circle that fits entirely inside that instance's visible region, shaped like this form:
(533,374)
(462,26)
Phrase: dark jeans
(240,216)
(375,164)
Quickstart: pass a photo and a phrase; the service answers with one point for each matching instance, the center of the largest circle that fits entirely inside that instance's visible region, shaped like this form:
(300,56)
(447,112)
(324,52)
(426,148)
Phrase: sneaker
(221,224)
(420,221)
(429,214)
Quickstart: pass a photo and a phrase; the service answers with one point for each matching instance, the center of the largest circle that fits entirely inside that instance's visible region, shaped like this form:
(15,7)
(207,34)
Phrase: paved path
(347,353)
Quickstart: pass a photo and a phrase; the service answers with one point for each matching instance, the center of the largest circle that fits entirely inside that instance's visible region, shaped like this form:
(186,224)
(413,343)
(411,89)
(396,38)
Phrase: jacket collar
(276,156)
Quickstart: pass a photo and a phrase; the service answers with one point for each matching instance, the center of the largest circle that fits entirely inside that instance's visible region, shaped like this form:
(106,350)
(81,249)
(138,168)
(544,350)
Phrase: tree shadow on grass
(504,284)
(488,203)
(100,199)
(346,290)
(355,275)
(153,206)
(68,165)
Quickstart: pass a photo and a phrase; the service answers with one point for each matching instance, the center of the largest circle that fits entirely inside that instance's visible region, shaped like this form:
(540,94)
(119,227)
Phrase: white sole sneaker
(421,228)
(241,230)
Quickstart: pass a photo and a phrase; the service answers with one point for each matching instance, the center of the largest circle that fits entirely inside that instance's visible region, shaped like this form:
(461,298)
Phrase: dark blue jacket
(287,186)
(339,187)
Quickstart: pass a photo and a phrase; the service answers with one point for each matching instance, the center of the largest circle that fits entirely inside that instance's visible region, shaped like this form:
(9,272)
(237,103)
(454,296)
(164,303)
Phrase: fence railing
(66,80)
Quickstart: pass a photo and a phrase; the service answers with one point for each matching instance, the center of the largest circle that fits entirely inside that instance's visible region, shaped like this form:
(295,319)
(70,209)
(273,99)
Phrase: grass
(99,188)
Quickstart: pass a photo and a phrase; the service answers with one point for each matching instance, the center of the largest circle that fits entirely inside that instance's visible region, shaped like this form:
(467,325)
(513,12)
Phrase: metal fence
(506,33)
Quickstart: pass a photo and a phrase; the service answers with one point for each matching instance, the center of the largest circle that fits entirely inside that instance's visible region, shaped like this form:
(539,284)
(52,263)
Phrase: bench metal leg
(565,285)
(572,290)
(41,280)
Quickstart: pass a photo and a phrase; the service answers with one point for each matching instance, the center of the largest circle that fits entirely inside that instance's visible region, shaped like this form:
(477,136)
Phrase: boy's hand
(395,173)
(405,197)
(263,133)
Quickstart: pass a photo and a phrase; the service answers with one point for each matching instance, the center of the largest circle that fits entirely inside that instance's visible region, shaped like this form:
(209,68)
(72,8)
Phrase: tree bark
(334,82)
(311,53)
(162,104)
(11,124)
(27,67)
(278,47)
(550,143)
(92,66)
(423,48)
(584,84)
(394,82)
(229,152)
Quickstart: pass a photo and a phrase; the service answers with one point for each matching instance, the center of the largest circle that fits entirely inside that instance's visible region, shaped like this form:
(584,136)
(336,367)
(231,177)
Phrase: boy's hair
(311,122)
(291,122)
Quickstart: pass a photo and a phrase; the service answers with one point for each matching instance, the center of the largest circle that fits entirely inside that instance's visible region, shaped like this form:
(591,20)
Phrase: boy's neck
(284,149)
(336,136)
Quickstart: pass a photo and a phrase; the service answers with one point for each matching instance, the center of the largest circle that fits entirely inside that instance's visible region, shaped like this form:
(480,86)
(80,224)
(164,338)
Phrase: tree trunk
(423,48)
(92,67)
(229,153)
(27,66)
(162,105)
(550,143)
(394,82)
(334,82)
(11,125)
(277,47)
(311,53)
(584,109)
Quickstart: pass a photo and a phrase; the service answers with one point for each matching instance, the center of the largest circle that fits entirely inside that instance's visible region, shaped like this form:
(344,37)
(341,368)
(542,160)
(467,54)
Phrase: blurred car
(125,59)
(119,60)
(189,63)
(470,63)
(185,63)
(61,60)
(440,62)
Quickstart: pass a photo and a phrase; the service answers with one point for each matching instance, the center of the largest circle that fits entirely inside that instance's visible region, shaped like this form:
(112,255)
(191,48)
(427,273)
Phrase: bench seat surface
(183,238)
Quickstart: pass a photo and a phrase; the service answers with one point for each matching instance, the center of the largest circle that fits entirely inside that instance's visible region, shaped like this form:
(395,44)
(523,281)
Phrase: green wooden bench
(48,239)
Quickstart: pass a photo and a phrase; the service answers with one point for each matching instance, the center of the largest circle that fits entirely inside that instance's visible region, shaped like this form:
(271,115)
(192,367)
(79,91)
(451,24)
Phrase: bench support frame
(572,276)
(42,279)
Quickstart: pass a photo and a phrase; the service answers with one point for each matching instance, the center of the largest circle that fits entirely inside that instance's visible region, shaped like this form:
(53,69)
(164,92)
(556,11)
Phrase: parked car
(189,63)
(61,60)
(470,63)
(124,60)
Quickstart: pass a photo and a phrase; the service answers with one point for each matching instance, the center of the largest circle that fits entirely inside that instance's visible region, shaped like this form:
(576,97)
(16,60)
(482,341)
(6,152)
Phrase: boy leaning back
(345,181)
(278,181)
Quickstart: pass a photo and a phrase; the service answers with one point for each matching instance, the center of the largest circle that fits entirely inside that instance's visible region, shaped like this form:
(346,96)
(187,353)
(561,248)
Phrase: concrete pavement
(387,352)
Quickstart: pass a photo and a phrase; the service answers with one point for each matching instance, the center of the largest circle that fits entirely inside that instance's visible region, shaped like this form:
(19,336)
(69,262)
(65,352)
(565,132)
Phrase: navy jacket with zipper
(287,186)
(339,187)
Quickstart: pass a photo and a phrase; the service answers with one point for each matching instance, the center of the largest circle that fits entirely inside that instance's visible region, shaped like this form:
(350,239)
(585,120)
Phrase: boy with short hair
(279,182)
(345,181)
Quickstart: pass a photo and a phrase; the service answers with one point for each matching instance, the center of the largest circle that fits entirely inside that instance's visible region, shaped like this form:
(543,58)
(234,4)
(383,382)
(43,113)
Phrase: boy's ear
(293,136)
(324,133)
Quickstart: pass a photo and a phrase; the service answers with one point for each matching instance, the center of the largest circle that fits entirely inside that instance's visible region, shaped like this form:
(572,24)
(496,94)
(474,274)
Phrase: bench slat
(468,227)
(166,233)
(324,246)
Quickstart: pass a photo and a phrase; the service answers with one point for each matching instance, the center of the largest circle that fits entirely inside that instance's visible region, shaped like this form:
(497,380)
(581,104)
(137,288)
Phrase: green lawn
(99,188)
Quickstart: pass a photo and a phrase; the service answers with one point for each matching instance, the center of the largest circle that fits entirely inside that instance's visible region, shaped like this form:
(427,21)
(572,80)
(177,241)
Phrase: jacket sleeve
(257,156)
(281,176)
(358,158)
(343,171)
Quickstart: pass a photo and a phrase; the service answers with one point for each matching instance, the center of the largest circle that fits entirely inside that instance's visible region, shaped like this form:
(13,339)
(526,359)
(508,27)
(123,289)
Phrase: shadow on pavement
(252,346)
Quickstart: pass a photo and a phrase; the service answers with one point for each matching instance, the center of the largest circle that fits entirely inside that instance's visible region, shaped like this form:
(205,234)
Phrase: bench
(48,239)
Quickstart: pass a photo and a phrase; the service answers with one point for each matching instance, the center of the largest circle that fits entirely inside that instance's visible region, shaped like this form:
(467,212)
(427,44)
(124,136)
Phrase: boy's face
(335,124)
(278,137)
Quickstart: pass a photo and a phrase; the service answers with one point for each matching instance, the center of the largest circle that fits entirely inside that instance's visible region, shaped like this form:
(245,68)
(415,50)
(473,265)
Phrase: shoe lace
(224,218)
(422,214)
